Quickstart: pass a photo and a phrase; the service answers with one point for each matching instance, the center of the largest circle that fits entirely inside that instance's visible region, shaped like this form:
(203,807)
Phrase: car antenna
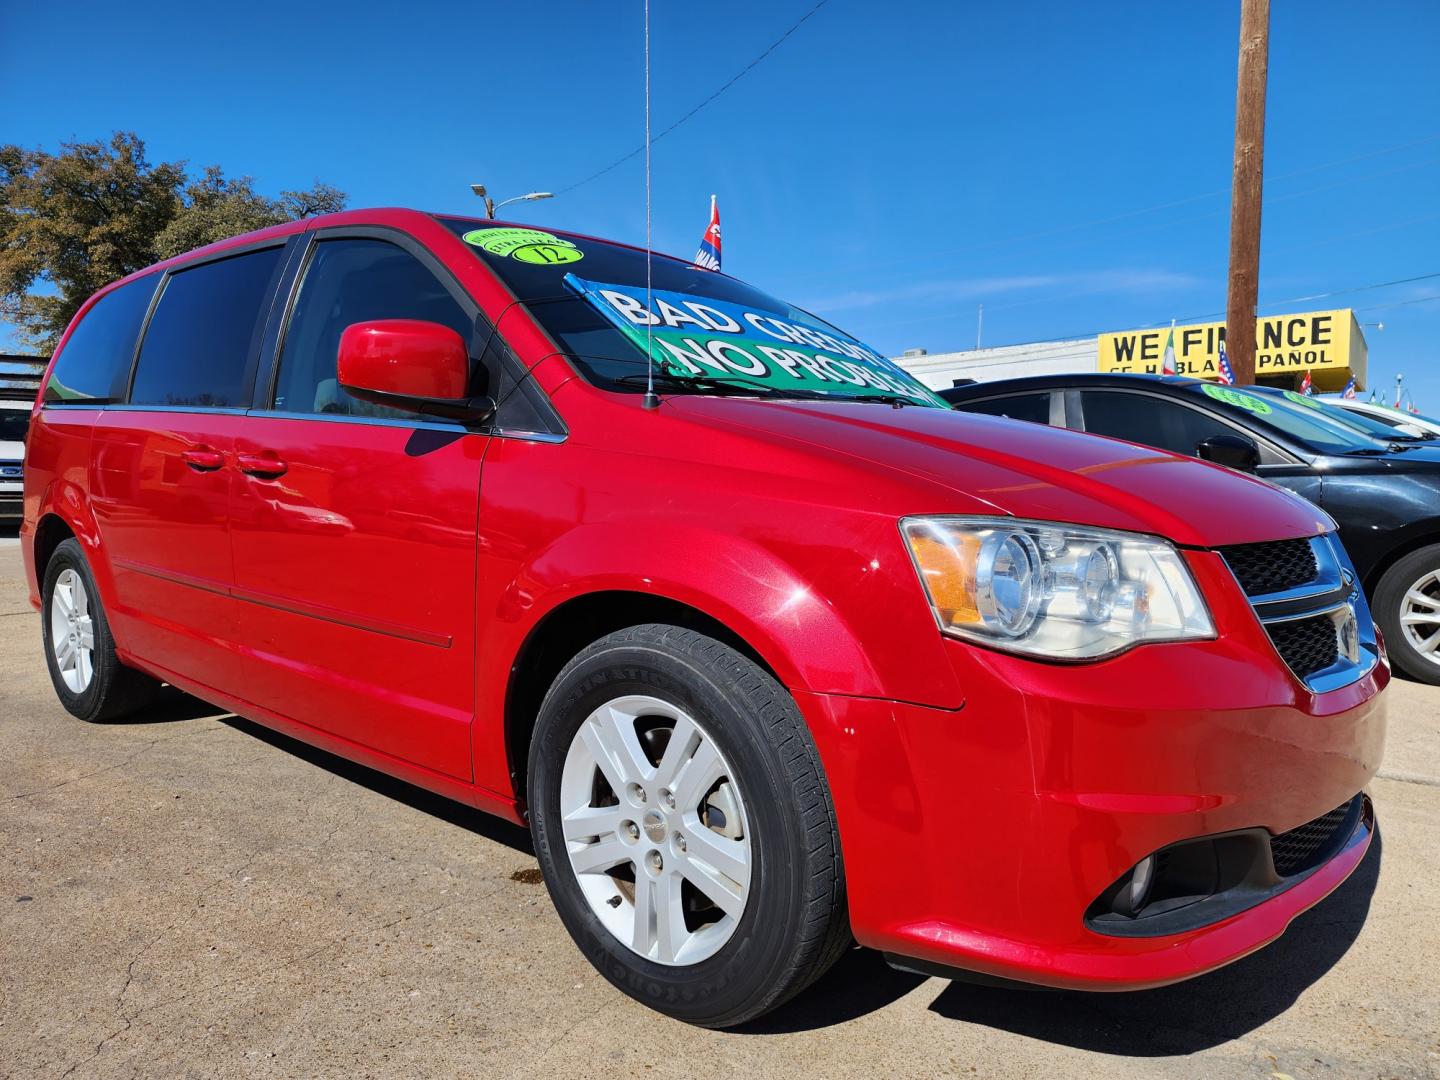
(651,399)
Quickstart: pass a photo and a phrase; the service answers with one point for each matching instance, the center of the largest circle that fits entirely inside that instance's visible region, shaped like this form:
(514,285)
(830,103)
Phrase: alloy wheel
(1420,616)
(72,631)
(655,829)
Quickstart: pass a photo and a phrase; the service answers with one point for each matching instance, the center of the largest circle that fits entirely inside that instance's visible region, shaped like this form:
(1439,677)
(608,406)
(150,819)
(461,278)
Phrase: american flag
(1227,374)
(708,257)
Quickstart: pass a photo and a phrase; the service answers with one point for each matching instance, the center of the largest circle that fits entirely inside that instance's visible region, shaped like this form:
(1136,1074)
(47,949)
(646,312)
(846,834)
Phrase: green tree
(75,221)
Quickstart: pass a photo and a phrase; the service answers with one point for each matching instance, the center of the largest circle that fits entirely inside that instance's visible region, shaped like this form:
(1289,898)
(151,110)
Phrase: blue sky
(1066,165)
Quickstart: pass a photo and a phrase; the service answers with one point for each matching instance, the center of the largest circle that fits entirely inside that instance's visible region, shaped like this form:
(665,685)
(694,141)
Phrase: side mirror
(421,367)
(1232,451)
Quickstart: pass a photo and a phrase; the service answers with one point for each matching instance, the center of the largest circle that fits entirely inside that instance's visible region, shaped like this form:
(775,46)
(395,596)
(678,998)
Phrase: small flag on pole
(708,257)
(1227,373)
(1306,386)
(1167,362)
(1349,392)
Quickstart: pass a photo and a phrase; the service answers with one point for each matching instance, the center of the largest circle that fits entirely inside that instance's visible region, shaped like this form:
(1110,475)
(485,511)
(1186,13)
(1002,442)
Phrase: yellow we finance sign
(1328,344)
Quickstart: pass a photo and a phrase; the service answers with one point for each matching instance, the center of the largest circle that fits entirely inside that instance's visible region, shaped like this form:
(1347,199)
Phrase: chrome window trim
(409,425)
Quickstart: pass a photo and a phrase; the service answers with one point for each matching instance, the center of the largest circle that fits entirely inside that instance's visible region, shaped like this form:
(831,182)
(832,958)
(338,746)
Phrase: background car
(14,421)
(1380,485)
(1405,422)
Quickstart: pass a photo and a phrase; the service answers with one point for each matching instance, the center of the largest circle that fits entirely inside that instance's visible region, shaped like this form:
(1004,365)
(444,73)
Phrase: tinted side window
(350,281)
(1152,421)
(95,363)
(200,348)
(1032,407)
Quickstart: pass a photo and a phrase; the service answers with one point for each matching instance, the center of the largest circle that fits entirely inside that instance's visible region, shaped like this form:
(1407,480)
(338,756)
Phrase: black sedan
(1382,488)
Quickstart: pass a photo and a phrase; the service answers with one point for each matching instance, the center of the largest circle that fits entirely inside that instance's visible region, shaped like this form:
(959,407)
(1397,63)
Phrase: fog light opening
(1137,891)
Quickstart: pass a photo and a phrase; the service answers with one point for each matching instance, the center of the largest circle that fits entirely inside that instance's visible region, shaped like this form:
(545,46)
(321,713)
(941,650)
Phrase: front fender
(759,596)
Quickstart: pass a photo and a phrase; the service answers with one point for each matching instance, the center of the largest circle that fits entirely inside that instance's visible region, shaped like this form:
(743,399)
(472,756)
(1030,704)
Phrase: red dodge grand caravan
(768,647)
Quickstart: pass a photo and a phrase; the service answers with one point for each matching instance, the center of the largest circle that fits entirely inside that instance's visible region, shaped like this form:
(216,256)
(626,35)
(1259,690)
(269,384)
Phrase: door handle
(264,466)
(203,459)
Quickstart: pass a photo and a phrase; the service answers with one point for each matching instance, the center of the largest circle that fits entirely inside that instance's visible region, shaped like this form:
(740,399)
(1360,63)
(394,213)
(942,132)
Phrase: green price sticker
(527,245)
(1238,398)
(1301,399)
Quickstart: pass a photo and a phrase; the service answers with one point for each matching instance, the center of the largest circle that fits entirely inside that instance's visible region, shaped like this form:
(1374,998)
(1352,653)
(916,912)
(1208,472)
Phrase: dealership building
(1327,344)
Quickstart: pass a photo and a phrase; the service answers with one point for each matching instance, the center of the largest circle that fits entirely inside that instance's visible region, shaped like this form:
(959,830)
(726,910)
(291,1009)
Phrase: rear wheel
(1407,607)
(89,678)
(684,827)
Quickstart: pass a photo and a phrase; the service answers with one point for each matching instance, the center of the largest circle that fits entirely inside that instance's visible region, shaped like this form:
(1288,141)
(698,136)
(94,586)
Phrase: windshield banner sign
(694,336)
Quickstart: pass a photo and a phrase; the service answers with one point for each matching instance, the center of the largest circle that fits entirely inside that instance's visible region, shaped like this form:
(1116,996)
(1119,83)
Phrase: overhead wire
(643,149)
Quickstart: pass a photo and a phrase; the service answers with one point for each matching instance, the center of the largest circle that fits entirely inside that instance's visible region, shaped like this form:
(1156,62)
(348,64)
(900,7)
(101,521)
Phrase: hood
(982,464)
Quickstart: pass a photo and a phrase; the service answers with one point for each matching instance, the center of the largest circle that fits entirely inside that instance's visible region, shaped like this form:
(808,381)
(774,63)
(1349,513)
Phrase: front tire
(89,678)
(1407,607)
(684,826)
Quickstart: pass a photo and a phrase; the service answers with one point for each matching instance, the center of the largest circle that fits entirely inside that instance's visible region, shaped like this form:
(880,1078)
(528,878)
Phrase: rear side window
(94,365)
(350,281)
(1151,421)
(201,346)
(1032,407)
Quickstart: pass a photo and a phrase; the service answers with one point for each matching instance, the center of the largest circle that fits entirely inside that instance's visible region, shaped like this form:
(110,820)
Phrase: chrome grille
(1305,596)
(1273,566)
(1307,645)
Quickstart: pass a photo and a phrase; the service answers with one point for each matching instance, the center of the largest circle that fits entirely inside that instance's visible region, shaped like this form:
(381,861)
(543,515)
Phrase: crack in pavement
(118,765)
(1409,777)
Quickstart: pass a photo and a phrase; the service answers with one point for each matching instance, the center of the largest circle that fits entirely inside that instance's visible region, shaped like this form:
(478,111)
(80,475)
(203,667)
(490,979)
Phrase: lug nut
(679,842)
(655,863)
(667,797)
(631,830)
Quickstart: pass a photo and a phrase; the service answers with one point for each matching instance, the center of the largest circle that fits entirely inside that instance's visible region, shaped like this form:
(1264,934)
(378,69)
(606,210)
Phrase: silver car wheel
(1420,616)
(655,828)
(72,631)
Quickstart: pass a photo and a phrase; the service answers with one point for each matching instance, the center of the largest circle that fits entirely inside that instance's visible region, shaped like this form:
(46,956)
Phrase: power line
(1077,226)
(1062,338)
(733,80)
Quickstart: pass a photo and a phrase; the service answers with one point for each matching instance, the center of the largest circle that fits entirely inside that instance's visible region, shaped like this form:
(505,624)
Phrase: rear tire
(652,708)
(90,680)
(1407,607)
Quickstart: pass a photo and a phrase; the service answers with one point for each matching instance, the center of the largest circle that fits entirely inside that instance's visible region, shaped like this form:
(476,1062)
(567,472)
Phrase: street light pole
(1242,295)
(491,205)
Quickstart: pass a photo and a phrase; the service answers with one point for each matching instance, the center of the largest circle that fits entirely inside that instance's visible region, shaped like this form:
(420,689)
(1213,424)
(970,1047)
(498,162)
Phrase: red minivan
(769,648)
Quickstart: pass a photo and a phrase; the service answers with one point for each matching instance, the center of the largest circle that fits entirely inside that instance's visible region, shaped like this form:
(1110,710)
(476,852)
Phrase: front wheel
(1407,607)
(684,827)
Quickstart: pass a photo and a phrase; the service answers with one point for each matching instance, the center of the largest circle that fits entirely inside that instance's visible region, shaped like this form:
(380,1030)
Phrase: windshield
(1292,415)
(698,330)
(1361,422)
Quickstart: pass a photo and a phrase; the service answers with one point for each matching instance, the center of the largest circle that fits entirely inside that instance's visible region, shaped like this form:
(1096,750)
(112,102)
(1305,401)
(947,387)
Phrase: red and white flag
(1306,387)
(708,257)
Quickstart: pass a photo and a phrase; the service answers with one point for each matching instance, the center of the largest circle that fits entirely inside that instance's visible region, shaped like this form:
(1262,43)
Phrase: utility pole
(979,324)
(1241,298)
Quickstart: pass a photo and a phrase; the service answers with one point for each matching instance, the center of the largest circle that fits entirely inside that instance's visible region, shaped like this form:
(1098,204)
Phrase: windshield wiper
(702,384)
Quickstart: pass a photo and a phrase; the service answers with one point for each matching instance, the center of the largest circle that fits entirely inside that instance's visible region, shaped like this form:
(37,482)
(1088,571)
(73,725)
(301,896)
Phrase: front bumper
(979,838)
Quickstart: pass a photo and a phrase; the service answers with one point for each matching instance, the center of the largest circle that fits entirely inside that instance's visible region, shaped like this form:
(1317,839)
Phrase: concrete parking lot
(189,894)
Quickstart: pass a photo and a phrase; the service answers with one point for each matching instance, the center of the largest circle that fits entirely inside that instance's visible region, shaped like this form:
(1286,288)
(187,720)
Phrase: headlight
(1066,592)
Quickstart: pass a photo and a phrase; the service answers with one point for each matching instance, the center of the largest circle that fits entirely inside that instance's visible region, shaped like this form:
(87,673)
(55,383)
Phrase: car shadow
(172,706)
(466,817)
(1180,1019)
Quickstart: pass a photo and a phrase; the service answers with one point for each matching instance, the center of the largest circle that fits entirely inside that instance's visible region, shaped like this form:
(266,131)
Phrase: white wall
(939,370)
